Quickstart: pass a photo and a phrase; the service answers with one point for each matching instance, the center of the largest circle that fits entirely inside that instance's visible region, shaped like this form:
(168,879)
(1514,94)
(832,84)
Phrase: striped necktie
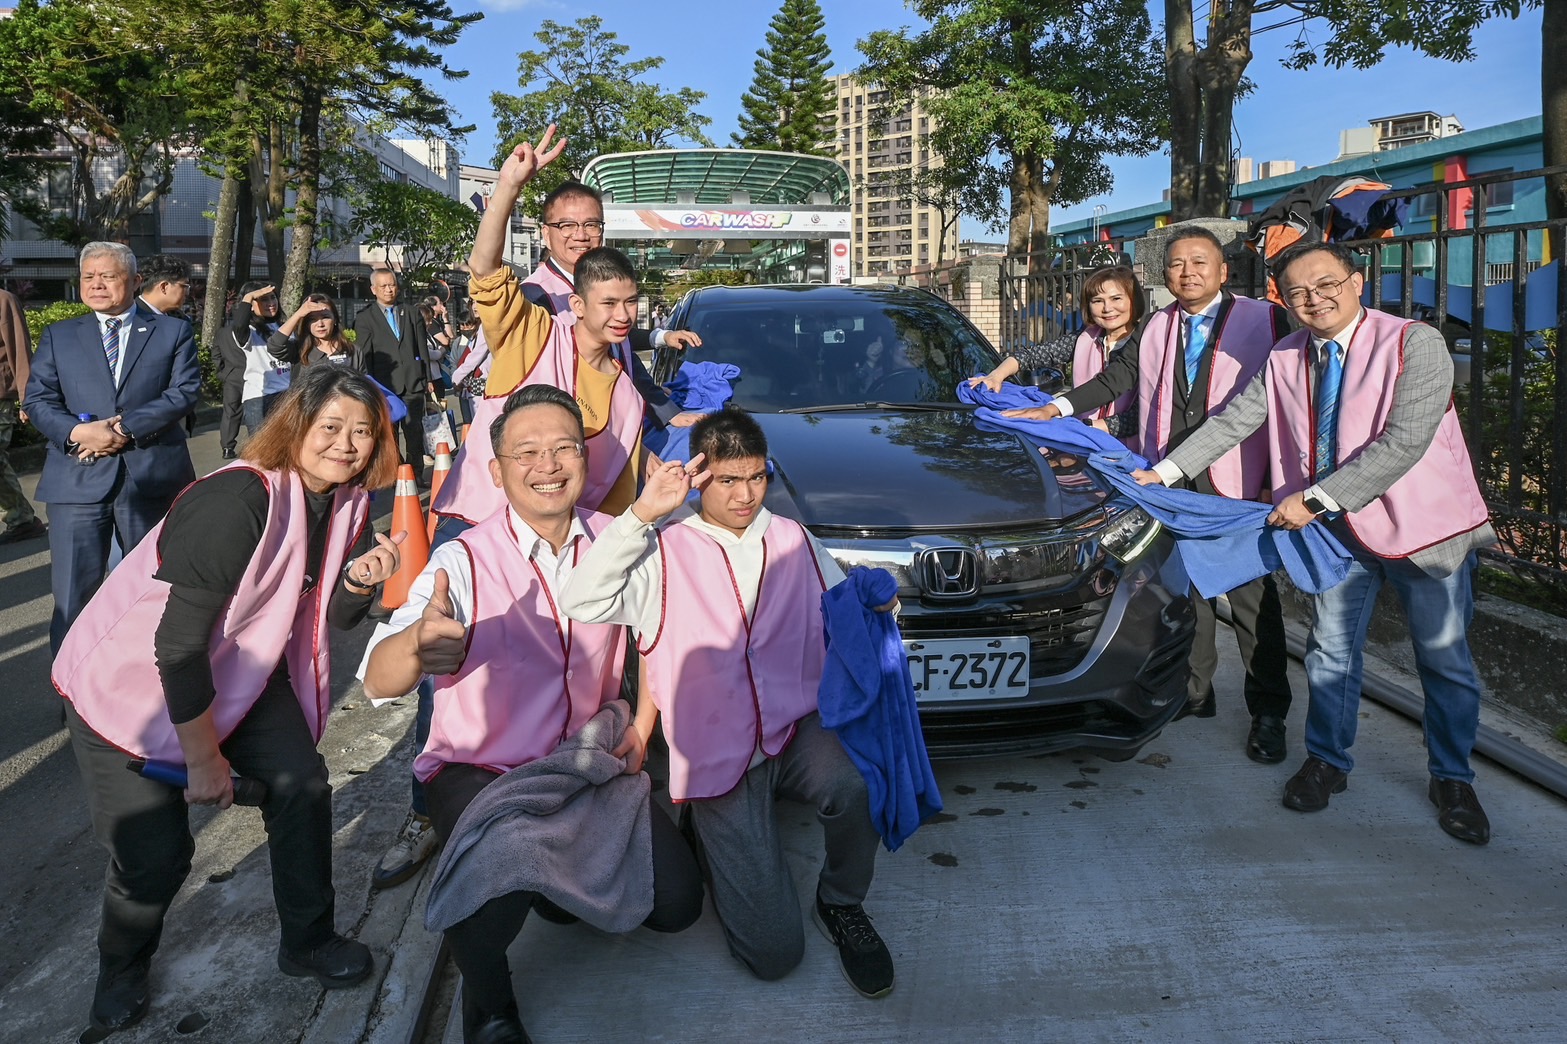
(1196,343)
(111,345)
(1327,410)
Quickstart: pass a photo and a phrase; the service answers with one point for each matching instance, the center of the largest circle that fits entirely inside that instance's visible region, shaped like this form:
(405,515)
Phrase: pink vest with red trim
(106,667)
(557,286)
(1433,501)
(531,677)
(1240,350)
(470,494)
(1088,361)
(724,683)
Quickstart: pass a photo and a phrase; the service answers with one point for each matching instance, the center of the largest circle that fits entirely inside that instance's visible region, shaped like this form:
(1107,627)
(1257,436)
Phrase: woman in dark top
(314,333)
(206,649)
(1113,304)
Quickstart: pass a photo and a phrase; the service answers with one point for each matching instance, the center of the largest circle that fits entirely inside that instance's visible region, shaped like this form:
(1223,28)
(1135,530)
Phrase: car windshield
(803,350)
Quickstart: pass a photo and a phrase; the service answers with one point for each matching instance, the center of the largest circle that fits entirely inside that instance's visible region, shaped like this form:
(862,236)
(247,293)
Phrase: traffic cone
(415,550)
(443,466)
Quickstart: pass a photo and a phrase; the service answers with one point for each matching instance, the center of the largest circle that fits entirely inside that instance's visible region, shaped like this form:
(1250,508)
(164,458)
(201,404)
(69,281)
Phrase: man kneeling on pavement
(515,682)
(734,670)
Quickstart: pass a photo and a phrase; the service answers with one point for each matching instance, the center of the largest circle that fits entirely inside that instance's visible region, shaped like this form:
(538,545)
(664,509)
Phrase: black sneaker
(32,529)
(866,963)
(336,963)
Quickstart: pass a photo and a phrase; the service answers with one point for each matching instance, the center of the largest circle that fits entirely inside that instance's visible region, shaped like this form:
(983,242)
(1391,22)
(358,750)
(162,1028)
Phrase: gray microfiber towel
(571,826)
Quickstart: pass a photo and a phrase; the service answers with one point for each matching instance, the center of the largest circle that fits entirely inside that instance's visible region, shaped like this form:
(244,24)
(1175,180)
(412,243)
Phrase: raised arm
(526,160)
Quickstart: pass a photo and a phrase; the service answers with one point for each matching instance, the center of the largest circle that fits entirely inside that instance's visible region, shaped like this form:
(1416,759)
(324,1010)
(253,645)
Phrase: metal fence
(1505,335)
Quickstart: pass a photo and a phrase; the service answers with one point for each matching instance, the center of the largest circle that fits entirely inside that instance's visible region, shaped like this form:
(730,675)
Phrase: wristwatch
(356,581)
(1313,505)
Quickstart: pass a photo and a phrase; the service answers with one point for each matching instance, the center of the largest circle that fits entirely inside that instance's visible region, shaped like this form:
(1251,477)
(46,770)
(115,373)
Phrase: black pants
(146,828)
(479,943)
(412,427)
(233,413)
(1258,619)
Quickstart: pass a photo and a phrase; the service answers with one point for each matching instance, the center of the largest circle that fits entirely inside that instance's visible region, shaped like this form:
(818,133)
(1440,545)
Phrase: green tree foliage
(106,99)
(432,232)
(789,104)
(1204,72)
(1028,98)
(581,81)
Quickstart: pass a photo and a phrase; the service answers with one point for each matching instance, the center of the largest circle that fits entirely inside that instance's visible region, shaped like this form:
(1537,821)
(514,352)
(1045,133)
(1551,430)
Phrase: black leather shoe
(1206,707)
(500,1029)
(1309,789)
(1458,810)
(121,999)
(1265,743)
(336,963)
(229,454)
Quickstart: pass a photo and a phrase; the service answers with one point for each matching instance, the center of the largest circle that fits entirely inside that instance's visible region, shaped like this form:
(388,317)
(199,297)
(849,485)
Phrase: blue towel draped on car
(699,387)
(1224,543)
(867,697)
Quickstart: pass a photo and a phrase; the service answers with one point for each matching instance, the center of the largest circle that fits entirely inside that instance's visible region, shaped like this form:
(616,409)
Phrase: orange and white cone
(415,550)
(443,467)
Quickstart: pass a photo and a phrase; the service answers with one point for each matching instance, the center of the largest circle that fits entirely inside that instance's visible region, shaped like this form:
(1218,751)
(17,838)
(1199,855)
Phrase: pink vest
(470,494)
(1433,501)
(531,677)
(1088,361)
(722,682)
(1240,350)
(105,666)
(559,288)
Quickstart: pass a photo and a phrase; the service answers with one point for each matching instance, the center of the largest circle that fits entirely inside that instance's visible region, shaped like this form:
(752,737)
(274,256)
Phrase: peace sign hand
(526,160)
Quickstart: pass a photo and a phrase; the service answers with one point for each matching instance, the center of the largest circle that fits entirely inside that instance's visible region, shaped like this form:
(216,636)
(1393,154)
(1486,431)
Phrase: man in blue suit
(109,391)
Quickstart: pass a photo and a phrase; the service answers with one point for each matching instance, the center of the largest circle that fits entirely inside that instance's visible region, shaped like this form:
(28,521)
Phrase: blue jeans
(1438,611)
(446,529)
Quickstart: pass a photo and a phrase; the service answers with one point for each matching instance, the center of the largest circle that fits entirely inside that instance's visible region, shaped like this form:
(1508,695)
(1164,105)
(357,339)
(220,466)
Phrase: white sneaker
(415,843)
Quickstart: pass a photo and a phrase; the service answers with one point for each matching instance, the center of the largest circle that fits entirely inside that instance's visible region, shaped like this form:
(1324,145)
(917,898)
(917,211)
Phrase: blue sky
(710,45)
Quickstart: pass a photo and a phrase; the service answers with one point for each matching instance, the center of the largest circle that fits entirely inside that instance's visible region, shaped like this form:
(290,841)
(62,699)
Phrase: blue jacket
(1224,543)
(867,697)
(160,382)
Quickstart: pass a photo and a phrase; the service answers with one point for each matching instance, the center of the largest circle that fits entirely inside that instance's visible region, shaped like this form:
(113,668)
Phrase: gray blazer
(1420,398)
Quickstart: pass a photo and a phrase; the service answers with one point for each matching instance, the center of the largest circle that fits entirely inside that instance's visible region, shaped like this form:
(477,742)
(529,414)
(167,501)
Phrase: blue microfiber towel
(1224,543)
(867,697)
(702,387)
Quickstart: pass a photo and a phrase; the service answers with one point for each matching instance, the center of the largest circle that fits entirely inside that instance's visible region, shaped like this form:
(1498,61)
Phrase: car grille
(1059,634)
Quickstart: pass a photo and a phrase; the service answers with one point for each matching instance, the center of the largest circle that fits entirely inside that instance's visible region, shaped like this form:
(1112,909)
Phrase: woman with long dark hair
(314,334)
(206,651)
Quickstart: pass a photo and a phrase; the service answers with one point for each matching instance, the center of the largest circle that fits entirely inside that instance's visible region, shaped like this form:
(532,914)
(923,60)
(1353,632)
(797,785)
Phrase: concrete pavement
(1059,898)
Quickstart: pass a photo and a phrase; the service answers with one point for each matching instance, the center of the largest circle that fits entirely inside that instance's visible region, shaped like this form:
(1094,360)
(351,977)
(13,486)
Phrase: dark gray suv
(1041,611)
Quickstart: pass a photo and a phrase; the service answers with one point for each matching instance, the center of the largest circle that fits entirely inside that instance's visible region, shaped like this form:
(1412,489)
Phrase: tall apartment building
(879,148)
(1395,132)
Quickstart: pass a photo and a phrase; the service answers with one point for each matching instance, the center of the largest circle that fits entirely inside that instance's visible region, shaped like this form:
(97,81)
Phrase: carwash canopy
(784,215)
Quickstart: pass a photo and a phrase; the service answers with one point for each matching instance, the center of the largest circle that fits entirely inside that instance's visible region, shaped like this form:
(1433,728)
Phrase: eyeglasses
(1328,291)
(565,453)
(592,228)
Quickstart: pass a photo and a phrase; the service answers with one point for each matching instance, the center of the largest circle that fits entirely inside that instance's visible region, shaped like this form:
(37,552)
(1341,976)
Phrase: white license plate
(948,669)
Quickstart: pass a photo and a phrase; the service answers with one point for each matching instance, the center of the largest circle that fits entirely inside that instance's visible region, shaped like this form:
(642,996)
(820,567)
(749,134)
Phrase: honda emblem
(947,572)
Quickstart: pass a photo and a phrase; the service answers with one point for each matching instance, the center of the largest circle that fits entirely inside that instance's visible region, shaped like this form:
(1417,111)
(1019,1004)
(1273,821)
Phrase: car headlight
(1128,534)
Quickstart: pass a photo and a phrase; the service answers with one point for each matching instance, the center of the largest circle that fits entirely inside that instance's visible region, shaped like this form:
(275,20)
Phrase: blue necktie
(1196,342)
(1327,410)
(111,345)
(391,320)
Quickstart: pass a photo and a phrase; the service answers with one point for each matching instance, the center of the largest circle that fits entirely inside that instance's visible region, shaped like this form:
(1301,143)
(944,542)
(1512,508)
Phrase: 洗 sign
(632,222)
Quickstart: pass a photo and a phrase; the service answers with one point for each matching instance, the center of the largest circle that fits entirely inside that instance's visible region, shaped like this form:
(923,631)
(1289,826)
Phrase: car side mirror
(1048,379)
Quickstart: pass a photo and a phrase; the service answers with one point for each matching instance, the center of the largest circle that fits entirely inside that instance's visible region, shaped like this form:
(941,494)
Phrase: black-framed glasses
(592,228)
(1328,290)
(565,453)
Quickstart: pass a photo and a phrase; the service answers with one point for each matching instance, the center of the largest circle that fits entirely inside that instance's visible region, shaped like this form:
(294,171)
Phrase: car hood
(890,469)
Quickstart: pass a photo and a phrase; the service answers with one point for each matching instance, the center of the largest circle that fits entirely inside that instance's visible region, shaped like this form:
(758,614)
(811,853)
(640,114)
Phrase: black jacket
(397,360)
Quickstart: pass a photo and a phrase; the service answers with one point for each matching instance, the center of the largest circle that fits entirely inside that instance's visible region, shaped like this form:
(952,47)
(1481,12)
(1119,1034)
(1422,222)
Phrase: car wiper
(844,407)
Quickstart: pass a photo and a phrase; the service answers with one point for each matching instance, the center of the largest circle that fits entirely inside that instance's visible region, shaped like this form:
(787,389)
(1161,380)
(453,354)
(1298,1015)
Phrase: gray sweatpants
(753,889)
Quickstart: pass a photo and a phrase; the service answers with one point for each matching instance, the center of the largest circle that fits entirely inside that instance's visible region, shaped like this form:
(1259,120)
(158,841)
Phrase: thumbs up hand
(439,637)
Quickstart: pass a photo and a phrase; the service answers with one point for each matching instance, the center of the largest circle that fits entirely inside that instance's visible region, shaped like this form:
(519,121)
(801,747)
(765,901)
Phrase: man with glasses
(165,285)
(1362,433)
(517,677)
(1188,360)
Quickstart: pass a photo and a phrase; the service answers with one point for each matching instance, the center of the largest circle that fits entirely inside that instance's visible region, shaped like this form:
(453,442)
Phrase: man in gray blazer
(1364,436)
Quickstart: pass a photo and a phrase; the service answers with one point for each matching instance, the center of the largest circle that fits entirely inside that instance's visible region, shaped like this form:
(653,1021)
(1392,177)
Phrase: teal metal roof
(712,176)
